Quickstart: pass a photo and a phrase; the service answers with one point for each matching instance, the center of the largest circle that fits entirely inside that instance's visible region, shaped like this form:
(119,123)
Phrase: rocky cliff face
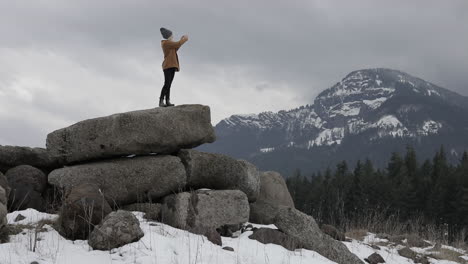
(368,114)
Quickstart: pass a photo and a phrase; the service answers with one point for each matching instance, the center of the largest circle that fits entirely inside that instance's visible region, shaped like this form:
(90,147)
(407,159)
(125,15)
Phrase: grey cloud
(296,48)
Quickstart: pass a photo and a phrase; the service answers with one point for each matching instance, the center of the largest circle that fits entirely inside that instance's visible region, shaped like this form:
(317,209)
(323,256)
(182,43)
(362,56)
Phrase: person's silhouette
(170,64)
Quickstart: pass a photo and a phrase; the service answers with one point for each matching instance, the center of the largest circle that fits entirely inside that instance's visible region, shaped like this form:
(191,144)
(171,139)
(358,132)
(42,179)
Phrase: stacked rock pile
(144,160)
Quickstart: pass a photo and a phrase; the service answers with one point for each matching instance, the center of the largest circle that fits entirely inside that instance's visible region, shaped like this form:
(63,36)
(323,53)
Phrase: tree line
(434,191)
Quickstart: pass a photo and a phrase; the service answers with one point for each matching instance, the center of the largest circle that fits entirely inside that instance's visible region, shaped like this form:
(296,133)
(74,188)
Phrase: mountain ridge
(376,104)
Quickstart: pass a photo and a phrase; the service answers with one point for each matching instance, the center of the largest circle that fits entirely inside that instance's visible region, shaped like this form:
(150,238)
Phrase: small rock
(19,217)
(421,260)
(117,229)
(34,262)
(407,253)
(228,248)
(375,259)
(375,247)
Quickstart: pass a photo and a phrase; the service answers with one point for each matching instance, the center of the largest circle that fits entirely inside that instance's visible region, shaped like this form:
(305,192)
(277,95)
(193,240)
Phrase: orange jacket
(170,49)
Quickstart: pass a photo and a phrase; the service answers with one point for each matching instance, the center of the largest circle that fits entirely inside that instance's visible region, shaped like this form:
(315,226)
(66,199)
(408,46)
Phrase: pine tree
(411,162)
(354,197)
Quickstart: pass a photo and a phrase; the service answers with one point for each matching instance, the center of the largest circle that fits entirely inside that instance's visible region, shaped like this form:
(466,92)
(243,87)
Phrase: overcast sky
(65,61)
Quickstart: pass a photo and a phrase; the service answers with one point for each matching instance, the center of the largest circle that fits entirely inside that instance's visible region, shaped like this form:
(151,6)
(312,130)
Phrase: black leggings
(168,77)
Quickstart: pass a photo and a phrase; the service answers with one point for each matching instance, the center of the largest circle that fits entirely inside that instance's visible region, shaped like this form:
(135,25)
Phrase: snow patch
(430,127)
(266,150)
(389,121)
(376,103)
(346,109)
(328,137)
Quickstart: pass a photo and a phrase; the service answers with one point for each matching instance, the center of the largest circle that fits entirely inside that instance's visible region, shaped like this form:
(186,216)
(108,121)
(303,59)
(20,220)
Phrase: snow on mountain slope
(354,105)
(164,244)
(370,113)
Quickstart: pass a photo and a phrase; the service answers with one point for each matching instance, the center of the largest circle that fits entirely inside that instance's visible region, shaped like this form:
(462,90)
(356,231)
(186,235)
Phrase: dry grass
(357,234)
(448,254)
(11,230)
(382,244)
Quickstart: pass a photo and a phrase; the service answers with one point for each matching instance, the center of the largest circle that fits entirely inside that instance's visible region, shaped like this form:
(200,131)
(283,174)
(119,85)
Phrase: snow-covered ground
(164,244)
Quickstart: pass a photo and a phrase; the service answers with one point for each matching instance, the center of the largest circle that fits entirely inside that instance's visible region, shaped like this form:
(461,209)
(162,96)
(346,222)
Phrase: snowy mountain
(368,114)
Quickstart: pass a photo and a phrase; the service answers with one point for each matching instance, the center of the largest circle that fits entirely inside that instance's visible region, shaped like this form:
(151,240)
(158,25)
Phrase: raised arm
(176,44)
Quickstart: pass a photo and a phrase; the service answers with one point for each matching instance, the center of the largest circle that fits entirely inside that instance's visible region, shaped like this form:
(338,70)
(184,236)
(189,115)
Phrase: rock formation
(304,229)
(143,161)
(273,193)
(27,185)
(3,208)
(84,207)
(12,156)
(126,180)
(159,130)
(203,211)
(216,171)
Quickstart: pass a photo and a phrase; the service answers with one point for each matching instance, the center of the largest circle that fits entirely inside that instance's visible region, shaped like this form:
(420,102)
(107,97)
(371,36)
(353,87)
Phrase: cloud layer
(64,61)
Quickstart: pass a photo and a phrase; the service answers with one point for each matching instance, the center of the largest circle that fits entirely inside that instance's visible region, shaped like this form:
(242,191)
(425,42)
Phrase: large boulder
(152,210)
(273,189)
(84,207)
(203,211)
(117,229)
(304,229)
(162,130)
(220,172)
(126,180)
(4,184)
(273,193)
(27,184)
(333,232)
(262,212)
(12,156)
(274,236)
(3,208)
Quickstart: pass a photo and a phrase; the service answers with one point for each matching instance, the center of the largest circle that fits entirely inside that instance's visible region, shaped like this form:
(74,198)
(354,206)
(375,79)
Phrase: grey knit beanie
(166,33)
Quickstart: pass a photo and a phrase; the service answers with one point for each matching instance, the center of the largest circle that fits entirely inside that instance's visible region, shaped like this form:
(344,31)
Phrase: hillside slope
(368,114)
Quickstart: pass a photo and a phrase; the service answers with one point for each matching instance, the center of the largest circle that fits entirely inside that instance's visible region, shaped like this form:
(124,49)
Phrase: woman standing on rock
(170,64)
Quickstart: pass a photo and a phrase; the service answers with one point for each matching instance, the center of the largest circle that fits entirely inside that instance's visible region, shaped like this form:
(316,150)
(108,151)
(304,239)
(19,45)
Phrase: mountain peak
(366,109)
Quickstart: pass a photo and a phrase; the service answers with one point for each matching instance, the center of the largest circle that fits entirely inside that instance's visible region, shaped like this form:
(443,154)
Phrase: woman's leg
(168,77)
(168,90)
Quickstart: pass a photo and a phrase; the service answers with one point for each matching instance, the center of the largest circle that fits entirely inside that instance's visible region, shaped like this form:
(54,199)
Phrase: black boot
(161,102)
(168,103)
